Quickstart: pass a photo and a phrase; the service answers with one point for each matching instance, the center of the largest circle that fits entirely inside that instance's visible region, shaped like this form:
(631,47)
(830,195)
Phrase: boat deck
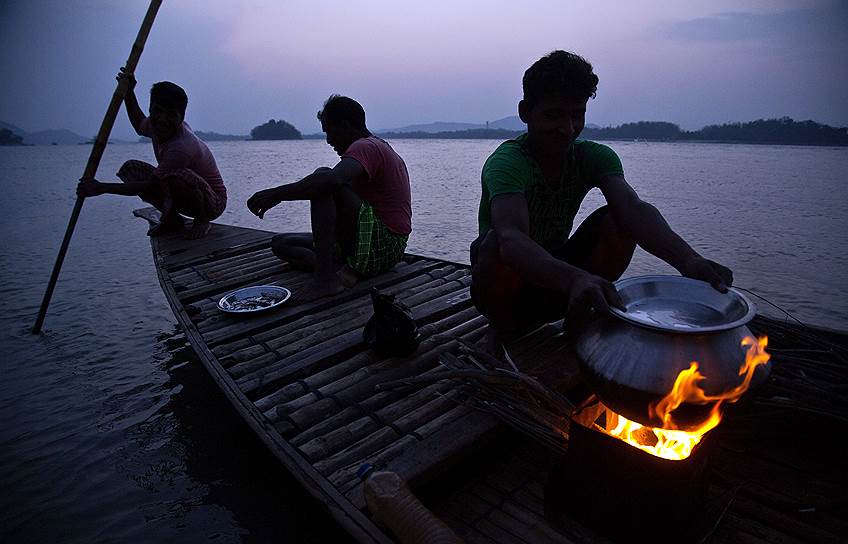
(302,378)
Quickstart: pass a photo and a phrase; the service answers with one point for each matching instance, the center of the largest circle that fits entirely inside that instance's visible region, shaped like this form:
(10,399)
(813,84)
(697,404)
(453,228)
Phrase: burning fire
(669,442)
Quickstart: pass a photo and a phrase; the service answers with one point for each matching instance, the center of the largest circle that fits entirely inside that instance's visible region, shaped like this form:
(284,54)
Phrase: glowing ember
(669,442)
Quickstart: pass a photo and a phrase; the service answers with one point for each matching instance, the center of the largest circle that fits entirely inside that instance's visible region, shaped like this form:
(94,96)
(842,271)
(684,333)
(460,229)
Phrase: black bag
(391,330)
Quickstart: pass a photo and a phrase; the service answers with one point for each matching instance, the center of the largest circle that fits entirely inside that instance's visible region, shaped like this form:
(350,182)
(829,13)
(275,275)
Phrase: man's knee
(601,245)
(492,280)
(486,248)
(280,244)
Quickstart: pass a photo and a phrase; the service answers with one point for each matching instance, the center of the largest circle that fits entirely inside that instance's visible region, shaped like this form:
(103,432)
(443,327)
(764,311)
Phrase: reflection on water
(110,429)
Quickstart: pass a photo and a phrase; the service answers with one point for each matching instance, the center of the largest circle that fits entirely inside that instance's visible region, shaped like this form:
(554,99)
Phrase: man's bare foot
(198,229)
(167,226)
(347,276)
(316,289)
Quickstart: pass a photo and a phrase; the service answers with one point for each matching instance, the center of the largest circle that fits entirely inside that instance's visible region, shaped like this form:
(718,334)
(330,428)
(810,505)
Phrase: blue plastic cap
(364,471)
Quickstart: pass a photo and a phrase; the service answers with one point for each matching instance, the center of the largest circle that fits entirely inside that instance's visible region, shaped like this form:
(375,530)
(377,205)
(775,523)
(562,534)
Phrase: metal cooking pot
(631,359)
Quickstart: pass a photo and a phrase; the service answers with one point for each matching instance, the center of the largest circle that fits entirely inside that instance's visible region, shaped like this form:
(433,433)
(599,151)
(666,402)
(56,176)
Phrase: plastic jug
(391,501)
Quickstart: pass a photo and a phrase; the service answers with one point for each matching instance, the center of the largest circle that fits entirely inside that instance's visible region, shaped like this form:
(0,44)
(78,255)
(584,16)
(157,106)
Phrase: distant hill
(507,123)
(7,137)
(12,128)
(50,137)
(437,126)
(468,134)
(215,137)
(45,137)
(513,122)
(208,137)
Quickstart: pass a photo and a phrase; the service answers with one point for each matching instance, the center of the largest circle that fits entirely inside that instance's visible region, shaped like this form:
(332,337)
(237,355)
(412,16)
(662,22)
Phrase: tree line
(767,131)
(772,131)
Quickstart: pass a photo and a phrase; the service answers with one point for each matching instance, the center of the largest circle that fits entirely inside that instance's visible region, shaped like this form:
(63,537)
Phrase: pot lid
(681,305)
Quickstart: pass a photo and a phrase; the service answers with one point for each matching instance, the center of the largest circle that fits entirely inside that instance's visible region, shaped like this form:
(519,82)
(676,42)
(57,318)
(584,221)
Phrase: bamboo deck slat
(301,377)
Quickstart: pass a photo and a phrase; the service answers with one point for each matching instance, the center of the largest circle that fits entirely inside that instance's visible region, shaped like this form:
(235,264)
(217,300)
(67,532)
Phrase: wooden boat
(303,380)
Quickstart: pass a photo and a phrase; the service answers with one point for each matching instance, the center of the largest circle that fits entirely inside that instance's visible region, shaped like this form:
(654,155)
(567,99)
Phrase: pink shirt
(185,150)
(387,186)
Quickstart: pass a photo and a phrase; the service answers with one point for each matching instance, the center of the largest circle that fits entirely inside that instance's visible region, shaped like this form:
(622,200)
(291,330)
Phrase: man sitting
(361,208)
(525,268)
(186,180)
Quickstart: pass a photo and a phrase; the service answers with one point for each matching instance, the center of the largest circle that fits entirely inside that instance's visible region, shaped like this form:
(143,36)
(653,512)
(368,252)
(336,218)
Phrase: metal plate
(681,305)
(265,297)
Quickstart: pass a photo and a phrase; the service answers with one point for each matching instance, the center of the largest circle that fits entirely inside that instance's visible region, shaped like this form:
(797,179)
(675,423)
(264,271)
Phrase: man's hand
(591,296)
(89,187)
(263,201)
(699,268)
(127,78)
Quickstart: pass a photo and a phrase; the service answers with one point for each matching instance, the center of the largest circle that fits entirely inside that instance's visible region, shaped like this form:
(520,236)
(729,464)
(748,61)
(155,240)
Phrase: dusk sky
(243,62)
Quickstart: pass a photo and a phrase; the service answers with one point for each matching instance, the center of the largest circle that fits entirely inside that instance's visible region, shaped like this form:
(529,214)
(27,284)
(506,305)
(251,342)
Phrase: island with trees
(783,131)
(275,130)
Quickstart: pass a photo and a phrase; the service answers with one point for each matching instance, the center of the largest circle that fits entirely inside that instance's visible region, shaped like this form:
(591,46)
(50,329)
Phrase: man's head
(556,90)
(343,120)
(168,103)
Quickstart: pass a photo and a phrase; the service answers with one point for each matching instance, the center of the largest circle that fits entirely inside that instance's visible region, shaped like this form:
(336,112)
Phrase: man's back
(185,150)
(387,186)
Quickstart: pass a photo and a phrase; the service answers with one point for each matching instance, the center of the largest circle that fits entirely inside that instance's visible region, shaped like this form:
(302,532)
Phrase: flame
(669,442)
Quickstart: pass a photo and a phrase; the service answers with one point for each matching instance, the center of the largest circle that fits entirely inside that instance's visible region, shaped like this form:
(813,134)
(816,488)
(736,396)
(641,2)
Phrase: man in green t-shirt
(526,270)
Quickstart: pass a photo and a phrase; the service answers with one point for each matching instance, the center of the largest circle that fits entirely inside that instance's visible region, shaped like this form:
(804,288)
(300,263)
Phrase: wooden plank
(345,477)
(218,242)
(361,383)
(313,357)
(218,263)
(205,289)
(310,332)
(218,320)
(420,460)
(328,317)
(456,324)
(324,445)
(531,526)
(238,328)
(316,426)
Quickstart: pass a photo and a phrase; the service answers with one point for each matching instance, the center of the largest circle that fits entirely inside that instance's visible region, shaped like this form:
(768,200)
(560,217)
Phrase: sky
(242,63)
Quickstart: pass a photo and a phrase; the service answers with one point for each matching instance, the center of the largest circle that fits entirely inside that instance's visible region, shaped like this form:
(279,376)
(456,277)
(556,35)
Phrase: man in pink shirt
(362,206)
(186,180)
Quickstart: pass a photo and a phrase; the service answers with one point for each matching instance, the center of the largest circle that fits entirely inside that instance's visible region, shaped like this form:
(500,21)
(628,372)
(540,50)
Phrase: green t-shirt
(510,169)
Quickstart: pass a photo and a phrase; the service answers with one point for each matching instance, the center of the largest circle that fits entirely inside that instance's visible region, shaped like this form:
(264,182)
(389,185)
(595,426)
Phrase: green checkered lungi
(377,248)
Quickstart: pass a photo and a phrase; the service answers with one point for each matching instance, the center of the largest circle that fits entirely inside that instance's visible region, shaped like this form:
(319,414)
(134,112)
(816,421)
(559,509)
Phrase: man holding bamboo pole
(186,180)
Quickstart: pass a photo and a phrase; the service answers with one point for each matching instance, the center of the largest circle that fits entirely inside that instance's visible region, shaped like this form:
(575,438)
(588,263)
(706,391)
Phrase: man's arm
(134,111)
(511,223)
(650,230)
(312,186)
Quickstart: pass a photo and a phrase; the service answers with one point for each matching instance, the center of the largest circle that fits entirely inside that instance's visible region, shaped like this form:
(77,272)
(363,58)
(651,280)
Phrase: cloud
(823,25)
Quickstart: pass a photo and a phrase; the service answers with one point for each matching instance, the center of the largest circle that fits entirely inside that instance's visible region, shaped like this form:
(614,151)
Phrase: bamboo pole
(97,152)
